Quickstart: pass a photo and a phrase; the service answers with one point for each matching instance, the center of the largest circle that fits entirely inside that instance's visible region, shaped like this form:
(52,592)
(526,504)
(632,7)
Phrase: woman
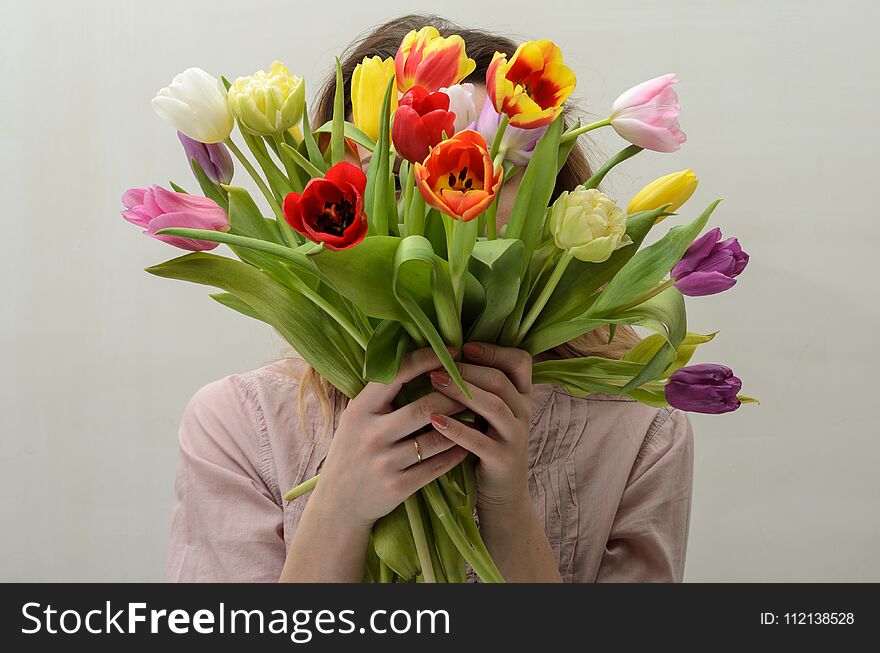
(569,489)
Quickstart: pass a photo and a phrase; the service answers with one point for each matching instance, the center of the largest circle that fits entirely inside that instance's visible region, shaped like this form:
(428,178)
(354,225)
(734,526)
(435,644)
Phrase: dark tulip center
(462,182)
(336,217)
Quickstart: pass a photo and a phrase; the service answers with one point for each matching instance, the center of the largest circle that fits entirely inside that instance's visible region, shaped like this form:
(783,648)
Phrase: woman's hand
(373,463)
(500,383)
(372,466)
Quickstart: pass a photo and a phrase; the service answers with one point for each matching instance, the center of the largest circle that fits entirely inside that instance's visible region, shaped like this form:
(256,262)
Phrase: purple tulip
(156,208)
(213,158)
(520,143)
(705,388)
(708,266)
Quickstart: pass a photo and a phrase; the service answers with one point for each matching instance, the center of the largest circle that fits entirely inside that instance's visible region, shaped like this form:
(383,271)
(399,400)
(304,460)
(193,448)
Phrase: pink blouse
(610,477)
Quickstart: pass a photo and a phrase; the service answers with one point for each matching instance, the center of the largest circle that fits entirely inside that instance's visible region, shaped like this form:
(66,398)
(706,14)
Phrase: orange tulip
(427,59)
(532,87)
(458,178)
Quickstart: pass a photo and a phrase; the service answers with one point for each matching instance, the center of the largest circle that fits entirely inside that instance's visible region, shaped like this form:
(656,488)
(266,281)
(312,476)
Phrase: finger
(414,363)
(417,476)
(516,363)
(493,380)
(407,419)
(480,444)
(492,407)
(406,454)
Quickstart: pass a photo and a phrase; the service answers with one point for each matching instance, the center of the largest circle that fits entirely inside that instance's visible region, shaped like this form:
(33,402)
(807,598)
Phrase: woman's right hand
(373,465)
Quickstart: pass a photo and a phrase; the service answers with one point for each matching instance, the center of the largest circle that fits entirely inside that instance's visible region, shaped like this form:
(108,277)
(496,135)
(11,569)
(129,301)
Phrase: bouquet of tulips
(354,273)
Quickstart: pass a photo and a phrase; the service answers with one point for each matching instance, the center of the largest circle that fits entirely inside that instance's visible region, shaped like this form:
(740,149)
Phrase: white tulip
(195,104)
(461,103)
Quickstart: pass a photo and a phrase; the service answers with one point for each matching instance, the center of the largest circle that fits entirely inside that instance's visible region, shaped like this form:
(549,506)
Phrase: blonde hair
(481,46)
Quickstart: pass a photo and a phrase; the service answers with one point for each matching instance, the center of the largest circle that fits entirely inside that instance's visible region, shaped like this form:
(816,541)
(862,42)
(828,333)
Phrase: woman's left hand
(500,382)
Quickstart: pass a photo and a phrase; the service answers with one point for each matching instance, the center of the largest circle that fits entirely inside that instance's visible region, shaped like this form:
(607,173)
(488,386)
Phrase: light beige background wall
(98,358)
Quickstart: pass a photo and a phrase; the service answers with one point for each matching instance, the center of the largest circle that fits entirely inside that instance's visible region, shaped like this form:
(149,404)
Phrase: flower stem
(301,489)
(256,177)
(544,297)
(651,293)
(574,133)
(414,512)
(499,135)
(409,182)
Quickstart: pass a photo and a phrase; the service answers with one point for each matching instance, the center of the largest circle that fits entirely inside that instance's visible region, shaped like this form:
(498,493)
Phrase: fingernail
(440,378)
(473,350)
(439,422)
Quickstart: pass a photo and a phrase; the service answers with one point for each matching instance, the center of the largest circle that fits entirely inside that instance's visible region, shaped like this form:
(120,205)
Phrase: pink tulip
(156,208)
(647,115)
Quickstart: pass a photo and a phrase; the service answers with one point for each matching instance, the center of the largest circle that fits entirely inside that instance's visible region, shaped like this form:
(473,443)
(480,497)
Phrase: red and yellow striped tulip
(427,59)
(532,86)
(458,177)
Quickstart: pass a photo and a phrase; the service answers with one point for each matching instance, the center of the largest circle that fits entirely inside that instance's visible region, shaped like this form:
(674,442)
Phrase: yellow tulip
(368,84)
(674,189)
(268,103)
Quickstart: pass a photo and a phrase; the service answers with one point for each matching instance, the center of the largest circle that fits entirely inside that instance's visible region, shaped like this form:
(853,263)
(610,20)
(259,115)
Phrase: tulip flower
(213,158)
(708,266)
(419,123)
(330,209)
(647,115)
(461,103)
(588,225)
(195,104)
(704,388)
(268,103)
(516,143)
(674,189)
(427,59)
(532,87)
(368,84)
(156,208)
(458,178)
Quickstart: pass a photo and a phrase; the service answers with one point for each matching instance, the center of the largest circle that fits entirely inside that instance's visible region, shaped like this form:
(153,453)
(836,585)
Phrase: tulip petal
(699,284)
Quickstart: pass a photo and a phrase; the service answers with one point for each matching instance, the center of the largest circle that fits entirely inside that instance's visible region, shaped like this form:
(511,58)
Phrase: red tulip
(419,123)
(330,210)
(458,177)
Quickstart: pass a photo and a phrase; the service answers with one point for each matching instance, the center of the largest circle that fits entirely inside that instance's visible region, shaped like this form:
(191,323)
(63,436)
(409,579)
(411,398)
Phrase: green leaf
(575,292)
(394,544)
(535,190)
(245,216)
(314,152)
(337,136)
(311,170)
(565,148)
(231,301)
(648,347)
(665,314)
(376,194)
(177,189)
(351,133)
(649,266)
(583,376)
(414,264)
(497,265)
(385,350)
(363,275)
(299,321)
